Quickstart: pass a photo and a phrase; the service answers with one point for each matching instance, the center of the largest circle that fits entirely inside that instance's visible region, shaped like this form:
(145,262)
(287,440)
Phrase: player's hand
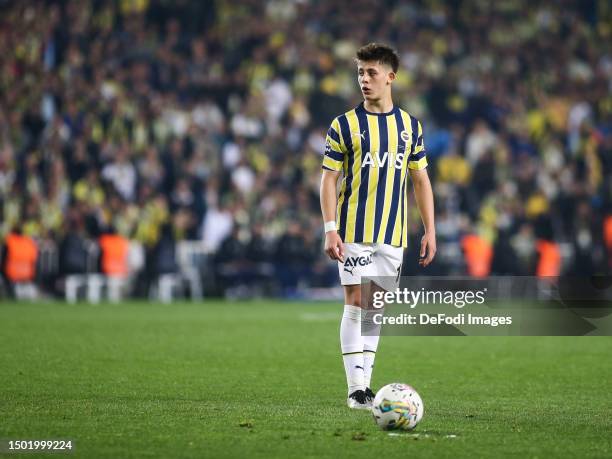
(333,246)
(428,249)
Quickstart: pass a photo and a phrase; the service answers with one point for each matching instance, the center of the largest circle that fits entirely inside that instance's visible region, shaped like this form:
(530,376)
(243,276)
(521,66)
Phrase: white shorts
(383,261)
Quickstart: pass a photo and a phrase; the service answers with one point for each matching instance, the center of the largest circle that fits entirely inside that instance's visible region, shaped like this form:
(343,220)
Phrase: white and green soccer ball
(397,406)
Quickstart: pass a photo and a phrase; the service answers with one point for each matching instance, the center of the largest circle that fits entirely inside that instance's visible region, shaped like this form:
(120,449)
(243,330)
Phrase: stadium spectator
(122,174)
(18,259)
(113,253)
(549,262)
(138,114)
(73,252)
(161,259)
(292,258)
(478,255)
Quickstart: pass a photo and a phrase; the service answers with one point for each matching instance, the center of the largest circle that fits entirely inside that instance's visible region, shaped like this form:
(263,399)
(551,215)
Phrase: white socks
(371,332)
(369,354)
(358,352)
(351,343)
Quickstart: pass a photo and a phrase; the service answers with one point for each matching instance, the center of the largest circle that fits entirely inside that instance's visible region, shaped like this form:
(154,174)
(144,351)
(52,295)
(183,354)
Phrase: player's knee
(352,295)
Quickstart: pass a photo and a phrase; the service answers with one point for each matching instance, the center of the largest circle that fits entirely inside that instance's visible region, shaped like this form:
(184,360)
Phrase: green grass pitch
(265,380)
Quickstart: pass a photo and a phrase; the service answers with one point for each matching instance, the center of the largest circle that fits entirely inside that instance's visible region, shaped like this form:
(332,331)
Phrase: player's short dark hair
(380,53)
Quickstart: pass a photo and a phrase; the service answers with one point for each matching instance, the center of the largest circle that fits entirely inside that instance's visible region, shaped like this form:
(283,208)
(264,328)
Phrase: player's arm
(333,243)
(332,168)
(424,198)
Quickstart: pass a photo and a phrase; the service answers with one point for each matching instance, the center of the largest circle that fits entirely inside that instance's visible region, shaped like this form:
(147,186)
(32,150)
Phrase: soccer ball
(397,406)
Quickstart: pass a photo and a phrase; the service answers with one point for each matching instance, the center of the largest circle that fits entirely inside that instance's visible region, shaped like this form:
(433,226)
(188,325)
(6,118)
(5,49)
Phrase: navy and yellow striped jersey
(374,151)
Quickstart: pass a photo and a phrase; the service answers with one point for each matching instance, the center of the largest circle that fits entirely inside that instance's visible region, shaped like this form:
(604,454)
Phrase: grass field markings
(319,316)
(425,434)
(409,436)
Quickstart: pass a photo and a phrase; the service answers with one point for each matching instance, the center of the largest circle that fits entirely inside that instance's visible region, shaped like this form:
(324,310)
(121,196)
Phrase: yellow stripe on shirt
(370,209)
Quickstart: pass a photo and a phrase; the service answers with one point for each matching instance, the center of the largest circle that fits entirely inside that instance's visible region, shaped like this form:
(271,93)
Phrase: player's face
(374,79)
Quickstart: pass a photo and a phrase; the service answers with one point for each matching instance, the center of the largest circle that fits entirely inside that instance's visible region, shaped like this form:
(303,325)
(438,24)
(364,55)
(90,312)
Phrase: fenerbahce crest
(352,262)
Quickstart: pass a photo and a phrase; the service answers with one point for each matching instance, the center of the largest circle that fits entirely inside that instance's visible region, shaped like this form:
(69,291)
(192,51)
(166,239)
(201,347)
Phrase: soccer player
(373,147)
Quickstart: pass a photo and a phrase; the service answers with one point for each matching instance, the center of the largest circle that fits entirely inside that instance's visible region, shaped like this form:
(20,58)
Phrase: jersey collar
(362,109)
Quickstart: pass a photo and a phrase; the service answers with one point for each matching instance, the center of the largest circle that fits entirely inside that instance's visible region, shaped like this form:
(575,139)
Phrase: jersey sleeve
(335,150)
(417,159)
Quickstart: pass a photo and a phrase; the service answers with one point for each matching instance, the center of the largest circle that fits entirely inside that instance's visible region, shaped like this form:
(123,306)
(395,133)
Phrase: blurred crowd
(206,121)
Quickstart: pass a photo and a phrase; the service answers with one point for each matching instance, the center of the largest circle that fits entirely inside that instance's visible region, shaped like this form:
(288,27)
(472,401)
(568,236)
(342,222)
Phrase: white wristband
(330,226)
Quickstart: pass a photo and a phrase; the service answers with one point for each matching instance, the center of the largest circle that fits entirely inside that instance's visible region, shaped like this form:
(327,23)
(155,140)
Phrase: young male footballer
(373,147)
